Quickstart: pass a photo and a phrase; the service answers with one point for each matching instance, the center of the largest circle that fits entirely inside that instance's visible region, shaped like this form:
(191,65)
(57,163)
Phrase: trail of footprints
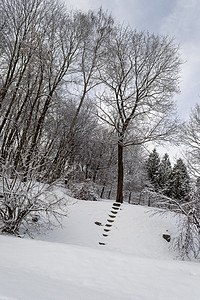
(112,215)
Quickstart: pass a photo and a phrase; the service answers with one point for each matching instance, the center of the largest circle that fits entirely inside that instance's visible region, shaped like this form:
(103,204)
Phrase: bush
(27,205)
(85,191)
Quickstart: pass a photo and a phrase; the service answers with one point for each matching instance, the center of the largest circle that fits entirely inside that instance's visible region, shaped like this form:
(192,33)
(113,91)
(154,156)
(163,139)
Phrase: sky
(176,18)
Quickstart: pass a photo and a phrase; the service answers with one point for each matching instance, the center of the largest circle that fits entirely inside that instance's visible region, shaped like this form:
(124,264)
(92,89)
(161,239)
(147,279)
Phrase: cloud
(184,20)
(184,24)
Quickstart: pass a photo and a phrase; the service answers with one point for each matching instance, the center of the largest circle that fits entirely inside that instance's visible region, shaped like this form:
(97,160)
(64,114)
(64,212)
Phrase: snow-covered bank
(69,263)
(135,231)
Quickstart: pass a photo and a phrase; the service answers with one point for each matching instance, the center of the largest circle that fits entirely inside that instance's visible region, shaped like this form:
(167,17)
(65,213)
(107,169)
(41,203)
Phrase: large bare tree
(140,77)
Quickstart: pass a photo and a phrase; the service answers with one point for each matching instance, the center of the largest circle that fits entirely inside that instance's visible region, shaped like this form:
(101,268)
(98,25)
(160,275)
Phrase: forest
(82,100)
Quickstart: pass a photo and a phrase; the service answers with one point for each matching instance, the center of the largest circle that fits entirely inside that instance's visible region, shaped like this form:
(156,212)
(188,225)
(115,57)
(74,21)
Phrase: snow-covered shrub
(26,205)
(187,214)
(85,191)
(188,241)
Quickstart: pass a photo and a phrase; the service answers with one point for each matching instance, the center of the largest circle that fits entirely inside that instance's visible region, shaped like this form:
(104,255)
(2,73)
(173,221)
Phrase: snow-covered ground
(69,263)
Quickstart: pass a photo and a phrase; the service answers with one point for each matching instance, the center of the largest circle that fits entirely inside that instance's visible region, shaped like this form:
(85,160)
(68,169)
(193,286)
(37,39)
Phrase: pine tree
(165,170)
(179,187)
(153,164)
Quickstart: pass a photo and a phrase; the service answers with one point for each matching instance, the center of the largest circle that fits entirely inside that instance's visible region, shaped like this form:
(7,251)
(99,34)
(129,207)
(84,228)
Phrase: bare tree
(95,32)
(19,43)
(190,136)
(139,79)
(39,52)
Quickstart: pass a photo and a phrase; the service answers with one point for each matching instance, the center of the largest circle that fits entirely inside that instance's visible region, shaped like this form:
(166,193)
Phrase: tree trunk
(129,198)
(102,192)
(119,197)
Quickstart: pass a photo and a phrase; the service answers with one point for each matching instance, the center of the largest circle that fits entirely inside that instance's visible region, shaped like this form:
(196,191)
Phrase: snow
(68,263)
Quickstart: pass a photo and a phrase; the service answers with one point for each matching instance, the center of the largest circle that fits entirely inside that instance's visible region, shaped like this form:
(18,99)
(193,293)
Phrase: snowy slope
(134,231)
(69,263)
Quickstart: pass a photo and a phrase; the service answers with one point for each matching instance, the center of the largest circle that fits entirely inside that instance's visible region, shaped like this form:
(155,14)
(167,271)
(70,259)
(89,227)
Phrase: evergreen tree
(179,187)
(165,170)
(153,164)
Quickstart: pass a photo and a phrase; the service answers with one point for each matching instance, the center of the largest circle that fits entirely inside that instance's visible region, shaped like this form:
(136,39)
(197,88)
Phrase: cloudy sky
(177,18)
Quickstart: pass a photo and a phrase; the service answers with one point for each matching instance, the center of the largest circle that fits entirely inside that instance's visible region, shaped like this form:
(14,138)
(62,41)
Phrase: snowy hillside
(69,263)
